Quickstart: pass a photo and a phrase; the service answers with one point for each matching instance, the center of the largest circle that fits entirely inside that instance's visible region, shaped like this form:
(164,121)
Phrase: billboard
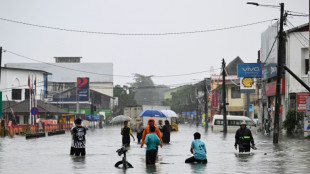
(253,70)
(269,51)
(82,88)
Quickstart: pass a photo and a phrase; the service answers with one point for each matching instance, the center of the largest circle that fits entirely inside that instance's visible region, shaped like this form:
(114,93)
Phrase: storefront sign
(301,101)
(271,88)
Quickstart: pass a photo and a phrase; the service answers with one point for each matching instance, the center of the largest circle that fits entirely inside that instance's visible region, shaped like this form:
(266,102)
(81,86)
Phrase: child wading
(79,133)
(198,148)
(152,141)
(126,133)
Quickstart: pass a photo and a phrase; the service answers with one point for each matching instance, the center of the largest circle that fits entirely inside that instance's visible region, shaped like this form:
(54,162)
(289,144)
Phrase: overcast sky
(158,55)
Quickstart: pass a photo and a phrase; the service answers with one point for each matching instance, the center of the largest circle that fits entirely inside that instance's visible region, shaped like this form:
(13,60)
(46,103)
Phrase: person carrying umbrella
(126,133)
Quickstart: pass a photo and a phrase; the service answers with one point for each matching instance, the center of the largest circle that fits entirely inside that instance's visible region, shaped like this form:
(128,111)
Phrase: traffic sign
(34,110)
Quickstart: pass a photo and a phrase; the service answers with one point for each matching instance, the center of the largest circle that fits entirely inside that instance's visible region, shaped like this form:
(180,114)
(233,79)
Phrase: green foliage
(293,119)
(146,93)
(184,99)
(126,97)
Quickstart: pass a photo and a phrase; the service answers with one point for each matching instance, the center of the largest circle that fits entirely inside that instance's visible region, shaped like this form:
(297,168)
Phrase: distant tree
(183,100)
(146,92)
(126,97)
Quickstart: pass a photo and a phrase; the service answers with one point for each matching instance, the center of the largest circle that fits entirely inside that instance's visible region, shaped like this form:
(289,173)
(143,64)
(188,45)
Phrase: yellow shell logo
(248,82)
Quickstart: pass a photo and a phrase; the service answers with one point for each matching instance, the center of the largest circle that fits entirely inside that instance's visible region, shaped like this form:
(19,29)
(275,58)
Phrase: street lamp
(279,70)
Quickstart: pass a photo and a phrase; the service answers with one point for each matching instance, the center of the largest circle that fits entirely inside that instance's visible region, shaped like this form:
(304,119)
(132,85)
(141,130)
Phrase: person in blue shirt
(151,141)
(198,148)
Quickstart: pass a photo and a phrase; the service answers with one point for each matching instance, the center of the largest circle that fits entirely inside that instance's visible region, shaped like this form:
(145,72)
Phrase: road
(50,154)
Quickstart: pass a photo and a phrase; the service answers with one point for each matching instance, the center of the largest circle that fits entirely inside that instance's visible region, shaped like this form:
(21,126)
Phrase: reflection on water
(198,168)
(51,154)
(78,162)
(150,169)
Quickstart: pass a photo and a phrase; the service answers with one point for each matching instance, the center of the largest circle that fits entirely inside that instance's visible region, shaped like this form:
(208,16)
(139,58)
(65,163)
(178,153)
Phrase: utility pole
(0,62)
(279,75)
(224,97)
(206,104)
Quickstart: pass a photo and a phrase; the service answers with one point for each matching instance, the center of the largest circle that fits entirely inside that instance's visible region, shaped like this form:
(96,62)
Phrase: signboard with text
(82,88)
(249,70)
(301,101)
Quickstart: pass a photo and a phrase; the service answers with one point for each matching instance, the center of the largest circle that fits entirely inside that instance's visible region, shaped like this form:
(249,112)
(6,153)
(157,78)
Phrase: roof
(22,69)
(300,28)
(23,107)
(68,72)
(231,68)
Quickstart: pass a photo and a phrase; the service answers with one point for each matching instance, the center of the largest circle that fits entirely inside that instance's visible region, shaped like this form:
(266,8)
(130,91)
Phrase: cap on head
(243,123)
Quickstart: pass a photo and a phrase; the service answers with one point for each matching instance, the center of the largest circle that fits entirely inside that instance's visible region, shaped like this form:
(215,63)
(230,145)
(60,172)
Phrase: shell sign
(247,83)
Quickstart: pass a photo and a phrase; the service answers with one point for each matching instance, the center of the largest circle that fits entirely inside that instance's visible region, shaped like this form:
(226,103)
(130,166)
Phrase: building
(236,100)
(15,83)
(293,94)
(62,82)
(66,70)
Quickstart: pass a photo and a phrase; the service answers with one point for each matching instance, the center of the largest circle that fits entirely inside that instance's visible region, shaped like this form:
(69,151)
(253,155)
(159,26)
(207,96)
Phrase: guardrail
(23,128)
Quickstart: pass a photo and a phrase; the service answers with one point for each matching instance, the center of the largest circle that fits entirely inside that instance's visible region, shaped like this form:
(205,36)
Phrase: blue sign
(269,70)
(97,117)
(34,110)
(250,70)
(269,109)
(183,113)
(89,117)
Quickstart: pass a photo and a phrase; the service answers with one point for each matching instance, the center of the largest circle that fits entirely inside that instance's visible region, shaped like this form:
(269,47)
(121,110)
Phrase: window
(233,122)
(218,122)
(235,92)
(16,94)
(250,123)
(27,94)
(305,59)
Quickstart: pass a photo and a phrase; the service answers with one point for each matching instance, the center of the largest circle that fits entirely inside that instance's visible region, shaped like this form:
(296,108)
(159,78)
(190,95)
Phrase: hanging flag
(28,80)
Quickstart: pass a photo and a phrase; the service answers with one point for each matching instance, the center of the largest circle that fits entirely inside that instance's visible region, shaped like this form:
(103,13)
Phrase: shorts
(72,150)
(150,156)
(79,151)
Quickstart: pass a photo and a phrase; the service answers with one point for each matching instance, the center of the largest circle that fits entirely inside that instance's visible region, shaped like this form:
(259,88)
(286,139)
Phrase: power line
(78,70)
(133,34)
(301,36)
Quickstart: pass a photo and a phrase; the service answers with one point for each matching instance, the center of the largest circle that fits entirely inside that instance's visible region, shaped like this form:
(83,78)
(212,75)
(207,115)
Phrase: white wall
(18,79)
(102,87)
(296,51)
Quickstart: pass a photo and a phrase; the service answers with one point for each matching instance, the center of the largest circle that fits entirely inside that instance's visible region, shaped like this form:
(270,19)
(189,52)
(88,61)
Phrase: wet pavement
(51,154)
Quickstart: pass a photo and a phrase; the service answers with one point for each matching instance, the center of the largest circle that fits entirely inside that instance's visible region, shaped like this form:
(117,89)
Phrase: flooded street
(51,154)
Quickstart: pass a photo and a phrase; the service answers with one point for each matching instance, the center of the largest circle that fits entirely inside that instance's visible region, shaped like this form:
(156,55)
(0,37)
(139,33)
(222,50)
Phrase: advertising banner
(82,88)
(253,70)
(302,101)
(269,51)
(215,101)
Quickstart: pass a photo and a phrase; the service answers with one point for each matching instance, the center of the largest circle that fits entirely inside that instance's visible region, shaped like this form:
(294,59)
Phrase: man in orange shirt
(146,131)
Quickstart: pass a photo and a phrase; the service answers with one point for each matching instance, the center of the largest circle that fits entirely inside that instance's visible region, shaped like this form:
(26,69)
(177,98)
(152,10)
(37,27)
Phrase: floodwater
(50,154)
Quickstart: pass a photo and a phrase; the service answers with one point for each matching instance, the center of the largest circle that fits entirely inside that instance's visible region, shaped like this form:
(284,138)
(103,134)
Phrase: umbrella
(120,118)
(169,113)
(151,113)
